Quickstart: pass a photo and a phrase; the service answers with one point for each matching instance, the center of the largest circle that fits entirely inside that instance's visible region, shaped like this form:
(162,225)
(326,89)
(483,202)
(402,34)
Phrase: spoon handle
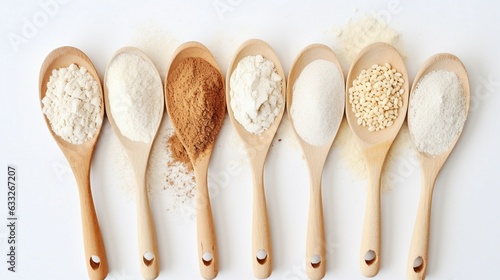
(261,235)
(419,249)
(95,254)
(148,246)
(316,242)
(370,242)
(207,244)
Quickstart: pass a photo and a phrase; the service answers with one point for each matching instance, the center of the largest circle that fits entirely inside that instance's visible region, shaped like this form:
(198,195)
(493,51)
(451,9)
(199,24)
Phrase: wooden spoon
(315,157)
(138,154)
(79,158)
(257,147)
(374,146)
(207,243)
(417,260)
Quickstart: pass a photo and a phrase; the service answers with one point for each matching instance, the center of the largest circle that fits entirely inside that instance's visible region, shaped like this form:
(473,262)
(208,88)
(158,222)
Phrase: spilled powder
(361,32)
(169,180)
(156,41)
(178,152)
(401,160)
(117,161)
(167,177)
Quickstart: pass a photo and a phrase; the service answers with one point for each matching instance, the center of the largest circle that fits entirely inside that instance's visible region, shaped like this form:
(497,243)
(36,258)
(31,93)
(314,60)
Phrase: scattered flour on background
(361,32)
(401,160)
(157,43)
(173,180)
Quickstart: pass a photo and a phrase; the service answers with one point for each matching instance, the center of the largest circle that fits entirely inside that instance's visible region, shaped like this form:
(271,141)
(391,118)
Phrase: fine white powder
(256,97)
(437,112)
(72,104)
(318,102)
(135,96)
(363,31)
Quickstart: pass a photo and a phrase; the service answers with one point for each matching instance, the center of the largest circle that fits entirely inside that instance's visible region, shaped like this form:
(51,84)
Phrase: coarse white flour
(256,97)
(318,102)
(437,112)
(135,96)
(73,103)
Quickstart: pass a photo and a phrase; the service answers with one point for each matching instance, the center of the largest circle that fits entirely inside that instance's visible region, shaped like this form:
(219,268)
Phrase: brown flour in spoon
(196,92)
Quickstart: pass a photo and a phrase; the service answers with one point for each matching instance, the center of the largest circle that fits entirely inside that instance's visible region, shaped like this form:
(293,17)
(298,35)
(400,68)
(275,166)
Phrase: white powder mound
(73,103)
(256,97)
(437,112)
(135,96)
(318,102)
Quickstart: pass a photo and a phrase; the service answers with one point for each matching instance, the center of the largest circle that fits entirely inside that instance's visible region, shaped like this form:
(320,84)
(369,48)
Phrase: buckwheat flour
(197,103)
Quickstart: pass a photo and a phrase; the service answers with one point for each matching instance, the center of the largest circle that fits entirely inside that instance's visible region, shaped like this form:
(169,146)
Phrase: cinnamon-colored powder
(179,154)
(197,103)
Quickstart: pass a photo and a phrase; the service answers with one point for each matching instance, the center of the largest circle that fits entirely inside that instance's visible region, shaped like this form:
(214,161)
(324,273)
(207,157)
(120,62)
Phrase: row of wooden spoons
(374,146)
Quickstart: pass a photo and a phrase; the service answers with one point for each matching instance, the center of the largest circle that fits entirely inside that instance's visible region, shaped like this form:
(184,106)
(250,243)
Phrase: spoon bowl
(315,157)
(79,157)
(374,146)
(138,154)
(430,166)
(257,147)
(207,243)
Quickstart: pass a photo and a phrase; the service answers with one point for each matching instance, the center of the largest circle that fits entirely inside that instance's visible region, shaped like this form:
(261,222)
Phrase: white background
(465,226)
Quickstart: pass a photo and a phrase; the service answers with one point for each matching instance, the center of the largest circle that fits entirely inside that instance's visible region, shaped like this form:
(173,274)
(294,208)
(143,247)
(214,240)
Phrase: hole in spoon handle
(418,265)
(95,262)
(207,258)
(370,263)
(148,258)
(208,265)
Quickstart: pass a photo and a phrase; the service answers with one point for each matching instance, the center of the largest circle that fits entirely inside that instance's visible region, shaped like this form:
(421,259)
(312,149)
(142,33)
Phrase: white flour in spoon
(73,103)
(135,96)
(437,112)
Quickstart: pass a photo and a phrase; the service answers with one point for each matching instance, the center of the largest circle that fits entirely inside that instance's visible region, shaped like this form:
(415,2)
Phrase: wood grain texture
(374,146)
(431,166)
(315,157)
(79,158)
(207,242)
(257,147)
(138,155)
